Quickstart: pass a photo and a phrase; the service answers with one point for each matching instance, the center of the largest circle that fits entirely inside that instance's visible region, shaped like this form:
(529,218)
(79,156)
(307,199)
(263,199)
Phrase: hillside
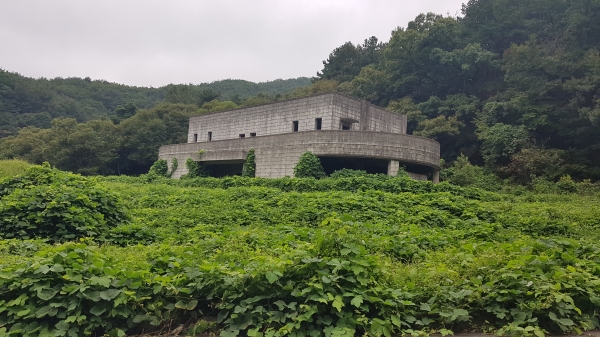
(36,102)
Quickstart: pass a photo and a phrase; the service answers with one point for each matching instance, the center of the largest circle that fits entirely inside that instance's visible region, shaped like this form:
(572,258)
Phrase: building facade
(342,131)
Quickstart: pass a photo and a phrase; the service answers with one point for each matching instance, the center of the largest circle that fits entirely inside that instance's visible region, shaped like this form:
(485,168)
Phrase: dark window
(242,135)
(209,136)
(346,126)
(252,134)
(318,123)
(295,126)
(195,138)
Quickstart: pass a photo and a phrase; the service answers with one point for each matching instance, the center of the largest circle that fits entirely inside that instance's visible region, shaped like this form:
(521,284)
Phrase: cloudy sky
(154,43)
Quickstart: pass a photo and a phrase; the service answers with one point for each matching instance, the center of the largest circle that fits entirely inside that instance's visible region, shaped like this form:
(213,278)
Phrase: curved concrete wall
(276,155)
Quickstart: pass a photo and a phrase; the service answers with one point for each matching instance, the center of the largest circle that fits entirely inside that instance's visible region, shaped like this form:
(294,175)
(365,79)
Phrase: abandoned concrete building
(344,132)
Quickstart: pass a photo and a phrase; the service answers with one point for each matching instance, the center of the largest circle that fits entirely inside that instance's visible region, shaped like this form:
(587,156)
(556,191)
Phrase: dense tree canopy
(507,78)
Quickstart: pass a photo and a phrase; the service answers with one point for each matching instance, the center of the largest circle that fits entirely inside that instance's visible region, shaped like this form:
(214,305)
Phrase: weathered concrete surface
(276,155)
(278,117)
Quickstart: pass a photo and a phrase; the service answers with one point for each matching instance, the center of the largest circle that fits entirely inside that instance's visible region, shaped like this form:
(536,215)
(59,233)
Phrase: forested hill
(511,84)
(35,102)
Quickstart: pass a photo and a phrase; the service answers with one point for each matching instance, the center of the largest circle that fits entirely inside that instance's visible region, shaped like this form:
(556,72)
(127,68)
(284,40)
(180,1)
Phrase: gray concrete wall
(276,118)
(276,155)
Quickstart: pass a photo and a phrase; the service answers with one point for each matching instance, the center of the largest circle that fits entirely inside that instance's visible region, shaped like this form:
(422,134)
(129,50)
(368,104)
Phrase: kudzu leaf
(103,281)
(46,295)
(191,305)
(109,294)
(357,301)
(271,277)
(97,310)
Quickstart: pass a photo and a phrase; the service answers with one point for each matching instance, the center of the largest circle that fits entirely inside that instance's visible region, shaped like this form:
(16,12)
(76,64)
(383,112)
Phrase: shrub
(12,167)
(194,170)
(250,165)
(348,173)
(60,206)
(463,173)
(309,166)
(159,168)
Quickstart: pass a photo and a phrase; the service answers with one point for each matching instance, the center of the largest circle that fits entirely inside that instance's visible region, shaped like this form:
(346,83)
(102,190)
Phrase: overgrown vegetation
(354,254)
(250,165)
(13,167)
(309,166)
(55,205)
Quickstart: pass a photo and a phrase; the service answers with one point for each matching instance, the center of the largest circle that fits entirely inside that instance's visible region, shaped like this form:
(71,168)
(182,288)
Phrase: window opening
(242,135)
(318,123)
(346,125)
(210,136)
(252,134)
(295,126)
(195,138)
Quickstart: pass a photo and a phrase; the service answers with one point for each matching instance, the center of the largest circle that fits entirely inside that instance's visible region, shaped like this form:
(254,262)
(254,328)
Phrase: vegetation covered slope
(267,261)
(509,83)
(36,102)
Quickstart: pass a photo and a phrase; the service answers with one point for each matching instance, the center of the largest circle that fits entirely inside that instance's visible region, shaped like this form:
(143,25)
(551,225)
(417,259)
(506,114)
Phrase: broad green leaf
(271,277)
(357,301)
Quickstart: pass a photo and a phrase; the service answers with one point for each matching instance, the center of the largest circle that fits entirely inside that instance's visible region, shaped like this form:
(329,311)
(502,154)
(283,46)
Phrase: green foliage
(195,170)
(159,168)
(59,206)
(463,173)
(174,166)
(250,165)
(309,166)
(270,261)
(13,167)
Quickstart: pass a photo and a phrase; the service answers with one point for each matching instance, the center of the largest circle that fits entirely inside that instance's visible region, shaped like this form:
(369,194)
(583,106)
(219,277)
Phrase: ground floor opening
(373,166)
(223,168)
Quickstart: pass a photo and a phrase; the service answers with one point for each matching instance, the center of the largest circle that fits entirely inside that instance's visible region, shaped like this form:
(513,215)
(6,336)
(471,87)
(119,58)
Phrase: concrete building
(344,132)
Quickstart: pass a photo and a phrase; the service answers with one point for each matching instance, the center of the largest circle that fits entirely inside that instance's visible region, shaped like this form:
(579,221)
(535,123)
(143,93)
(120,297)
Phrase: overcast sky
(154,43)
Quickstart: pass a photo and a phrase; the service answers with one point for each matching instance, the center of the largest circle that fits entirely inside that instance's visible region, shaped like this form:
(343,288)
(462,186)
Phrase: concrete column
(393,167)
(436,176)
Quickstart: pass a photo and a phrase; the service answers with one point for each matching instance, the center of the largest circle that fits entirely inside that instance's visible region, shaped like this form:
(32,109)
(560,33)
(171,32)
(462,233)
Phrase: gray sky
(154,43)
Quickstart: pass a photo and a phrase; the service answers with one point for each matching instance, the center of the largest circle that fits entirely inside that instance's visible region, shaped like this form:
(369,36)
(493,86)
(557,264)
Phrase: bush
(309,166)
(194,170)
(56,205)
(159,168)
(348,173)
(12,167)
(463,173)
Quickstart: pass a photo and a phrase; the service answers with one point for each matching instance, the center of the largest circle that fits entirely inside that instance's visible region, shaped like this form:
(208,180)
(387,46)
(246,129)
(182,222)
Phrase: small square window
(242,135)
(252,134)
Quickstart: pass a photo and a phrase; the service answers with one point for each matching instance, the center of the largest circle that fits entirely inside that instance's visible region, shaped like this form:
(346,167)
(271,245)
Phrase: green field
(336,257)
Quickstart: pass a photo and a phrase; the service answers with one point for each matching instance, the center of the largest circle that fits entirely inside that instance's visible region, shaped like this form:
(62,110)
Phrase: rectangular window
(210,136)
(346,125)
(318,123)
(195,138)
(242,135)
(295,126)
(252,134)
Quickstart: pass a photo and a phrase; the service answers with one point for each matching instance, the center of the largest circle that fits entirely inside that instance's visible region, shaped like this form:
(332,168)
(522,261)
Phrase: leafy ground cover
(303,257)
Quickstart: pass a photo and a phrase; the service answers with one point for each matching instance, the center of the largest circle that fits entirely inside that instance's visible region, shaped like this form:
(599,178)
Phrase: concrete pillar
(393,167)
(436,176)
